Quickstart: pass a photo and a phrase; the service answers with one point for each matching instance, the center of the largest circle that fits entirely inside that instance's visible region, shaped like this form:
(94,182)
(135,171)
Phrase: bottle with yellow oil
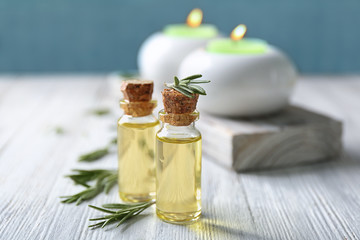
(136,142)
(178,154)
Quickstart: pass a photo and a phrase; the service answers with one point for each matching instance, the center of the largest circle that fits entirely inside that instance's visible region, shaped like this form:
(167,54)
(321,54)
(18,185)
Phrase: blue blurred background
(99,36)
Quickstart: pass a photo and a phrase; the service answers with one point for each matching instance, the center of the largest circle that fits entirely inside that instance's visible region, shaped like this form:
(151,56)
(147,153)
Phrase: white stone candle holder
(242,84)
(160,56)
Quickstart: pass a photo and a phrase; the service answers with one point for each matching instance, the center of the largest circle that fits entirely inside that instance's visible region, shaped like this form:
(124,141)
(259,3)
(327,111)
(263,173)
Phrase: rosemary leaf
(109,182)
(99,153)
(126,211)
(100,111)
(176,80)
(100,218)
(59,130)
(113,141)
(126,217)
(183,92)
(107,222)
(82,177)
(197,89)
(189,89)
(101,209)
(115,205)
(199,81)
(87,194)
(185,86)
(97,225)
(184,82)
(95,155)
(186,89)
(192,77)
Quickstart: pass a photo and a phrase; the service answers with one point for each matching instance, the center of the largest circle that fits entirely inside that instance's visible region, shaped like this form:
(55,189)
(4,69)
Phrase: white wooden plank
(311,202)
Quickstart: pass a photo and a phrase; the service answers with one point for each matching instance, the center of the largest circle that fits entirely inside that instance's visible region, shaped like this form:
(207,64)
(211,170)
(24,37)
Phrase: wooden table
(319,201)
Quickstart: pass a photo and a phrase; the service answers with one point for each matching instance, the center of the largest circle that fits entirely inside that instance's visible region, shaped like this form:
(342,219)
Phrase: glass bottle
(136,151)
(178,170)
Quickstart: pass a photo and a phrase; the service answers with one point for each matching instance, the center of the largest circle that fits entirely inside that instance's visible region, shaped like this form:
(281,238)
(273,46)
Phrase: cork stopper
(137,90)
(137,97)
(176,102)
(178,108)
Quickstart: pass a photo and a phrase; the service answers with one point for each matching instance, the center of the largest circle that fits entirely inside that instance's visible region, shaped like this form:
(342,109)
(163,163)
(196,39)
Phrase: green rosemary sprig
(59,130)
(97,154)
(187,86)
(100,111)
(83,177)
(105,180)
(118,213)
(94,155)
(113,141)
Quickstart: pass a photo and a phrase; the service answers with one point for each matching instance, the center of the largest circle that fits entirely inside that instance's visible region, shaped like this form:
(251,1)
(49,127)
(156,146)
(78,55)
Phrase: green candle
(244,46)
(183,30)
(236,44)
(193,28)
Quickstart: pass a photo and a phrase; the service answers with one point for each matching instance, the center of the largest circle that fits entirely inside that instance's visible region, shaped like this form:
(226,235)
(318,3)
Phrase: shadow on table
(210,228)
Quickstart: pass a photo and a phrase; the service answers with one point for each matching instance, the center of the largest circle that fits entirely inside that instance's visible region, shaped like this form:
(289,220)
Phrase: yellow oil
(178,179)
(136,158)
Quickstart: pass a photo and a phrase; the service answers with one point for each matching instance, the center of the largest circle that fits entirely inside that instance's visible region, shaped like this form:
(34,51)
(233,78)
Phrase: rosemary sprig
(187,85)
(83,177)
(59,130)
(118,213)
(94,155)
(113,141)
(97,154)
(105,180)
(100,111)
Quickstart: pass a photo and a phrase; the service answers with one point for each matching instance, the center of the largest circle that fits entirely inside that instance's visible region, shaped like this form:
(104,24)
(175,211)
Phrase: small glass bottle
(178,161)
(136,142)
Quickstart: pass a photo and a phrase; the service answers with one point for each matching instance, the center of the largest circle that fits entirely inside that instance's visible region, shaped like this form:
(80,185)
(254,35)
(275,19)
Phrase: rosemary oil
(178,179)
(136,161)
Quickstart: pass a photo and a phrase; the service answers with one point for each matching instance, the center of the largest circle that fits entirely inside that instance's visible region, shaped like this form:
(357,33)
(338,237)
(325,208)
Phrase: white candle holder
(242,84)
(160,56)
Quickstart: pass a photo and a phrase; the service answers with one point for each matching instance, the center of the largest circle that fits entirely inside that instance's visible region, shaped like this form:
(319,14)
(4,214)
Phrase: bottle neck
(138,120)
(138,109)
(177,128)
(182,119)
(138,117)
(169,131)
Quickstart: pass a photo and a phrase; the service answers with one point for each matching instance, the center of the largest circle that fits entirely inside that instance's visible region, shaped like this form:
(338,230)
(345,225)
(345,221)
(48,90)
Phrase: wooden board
(292,137)
(318,201)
